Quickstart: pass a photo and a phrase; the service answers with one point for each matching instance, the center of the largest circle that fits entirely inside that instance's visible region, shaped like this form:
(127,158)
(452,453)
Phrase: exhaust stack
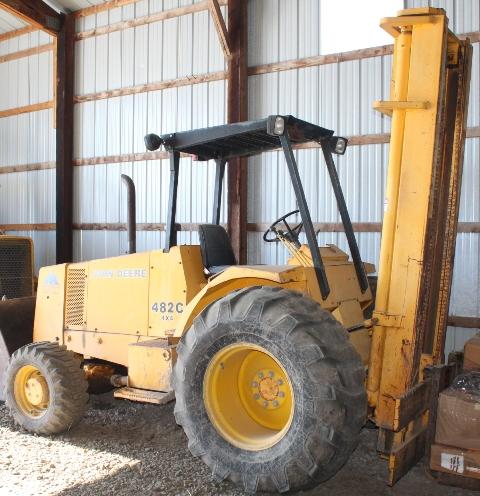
(131,214)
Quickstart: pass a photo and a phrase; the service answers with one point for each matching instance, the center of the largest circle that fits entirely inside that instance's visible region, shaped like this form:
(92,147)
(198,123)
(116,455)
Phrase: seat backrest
(215,246)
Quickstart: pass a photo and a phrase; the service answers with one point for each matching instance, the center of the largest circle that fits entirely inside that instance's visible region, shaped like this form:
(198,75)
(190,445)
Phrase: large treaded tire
(66,383)
(327,377)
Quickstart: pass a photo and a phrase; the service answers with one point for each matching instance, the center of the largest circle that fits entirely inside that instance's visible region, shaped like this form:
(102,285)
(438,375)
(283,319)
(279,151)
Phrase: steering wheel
(291,233)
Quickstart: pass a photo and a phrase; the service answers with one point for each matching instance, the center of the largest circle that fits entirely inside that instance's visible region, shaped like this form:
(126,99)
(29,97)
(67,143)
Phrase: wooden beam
(330,227)
(237,111)
(222,32)
(26,53)
(9,169)
(142,21)
(26,227)
(365,139)
(465,322)
(473,132)
(473,36)
(64,138)
(332,58)
(324,227)
(264,69)
(161,85)
(17,32)
(102,7)
(35,107)
(35,12)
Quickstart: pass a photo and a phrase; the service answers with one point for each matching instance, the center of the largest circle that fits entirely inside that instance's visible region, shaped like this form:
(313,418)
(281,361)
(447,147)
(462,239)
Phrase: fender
(238,277)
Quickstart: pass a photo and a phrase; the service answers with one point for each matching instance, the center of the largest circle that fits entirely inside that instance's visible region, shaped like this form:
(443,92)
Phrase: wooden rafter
(35,12)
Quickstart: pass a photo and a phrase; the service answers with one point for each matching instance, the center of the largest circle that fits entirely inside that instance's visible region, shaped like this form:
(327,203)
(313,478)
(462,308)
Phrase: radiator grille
(75,298)
(16,271)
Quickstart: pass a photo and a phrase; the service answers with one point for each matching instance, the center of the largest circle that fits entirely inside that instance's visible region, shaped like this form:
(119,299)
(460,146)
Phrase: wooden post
(64,137)
(237,110)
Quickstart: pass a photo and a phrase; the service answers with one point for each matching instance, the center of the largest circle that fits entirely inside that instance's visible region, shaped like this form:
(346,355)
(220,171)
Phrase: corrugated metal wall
(28,197)
(338,96)
(155,52)
(464,16)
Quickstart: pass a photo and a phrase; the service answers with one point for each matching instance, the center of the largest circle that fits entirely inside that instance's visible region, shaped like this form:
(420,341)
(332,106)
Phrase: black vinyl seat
(216,248)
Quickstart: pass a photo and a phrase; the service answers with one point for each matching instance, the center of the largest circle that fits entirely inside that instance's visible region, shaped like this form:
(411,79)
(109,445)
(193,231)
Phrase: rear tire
(45,388)
(326,377)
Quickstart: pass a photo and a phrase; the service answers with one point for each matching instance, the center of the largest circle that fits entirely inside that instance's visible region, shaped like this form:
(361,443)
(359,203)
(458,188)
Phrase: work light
(339,145)
(279,125)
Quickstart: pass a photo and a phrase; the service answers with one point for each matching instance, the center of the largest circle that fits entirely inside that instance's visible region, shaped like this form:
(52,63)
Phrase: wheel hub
(36,390)
(31,391)
(269,389)
(248,396)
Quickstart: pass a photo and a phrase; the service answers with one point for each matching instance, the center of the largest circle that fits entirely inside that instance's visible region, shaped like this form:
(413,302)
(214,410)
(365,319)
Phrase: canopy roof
(242,139)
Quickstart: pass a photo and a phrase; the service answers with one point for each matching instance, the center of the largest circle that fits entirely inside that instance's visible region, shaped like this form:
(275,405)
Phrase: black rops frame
(250,138)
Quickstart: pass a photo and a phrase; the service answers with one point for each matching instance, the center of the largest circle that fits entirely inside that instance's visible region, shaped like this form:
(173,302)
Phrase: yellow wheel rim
(31,391)
(248,396)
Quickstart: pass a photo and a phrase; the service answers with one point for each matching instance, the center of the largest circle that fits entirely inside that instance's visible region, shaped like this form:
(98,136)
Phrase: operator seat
(216,248)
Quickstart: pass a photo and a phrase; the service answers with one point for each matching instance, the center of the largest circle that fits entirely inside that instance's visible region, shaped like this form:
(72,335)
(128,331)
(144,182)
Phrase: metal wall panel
(340,96)
(9,22)
(174,48)
(28,197)
(464,17)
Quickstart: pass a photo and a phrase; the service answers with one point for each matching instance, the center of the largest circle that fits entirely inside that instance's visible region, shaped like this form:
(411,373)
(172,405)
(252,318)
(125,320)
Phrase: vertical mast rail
(428,106)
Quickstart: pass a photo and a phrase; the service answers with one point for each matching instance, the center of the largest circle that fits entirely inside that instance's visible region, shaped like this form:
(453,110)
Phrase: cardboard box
(458,420)
(471,354)
(455,461)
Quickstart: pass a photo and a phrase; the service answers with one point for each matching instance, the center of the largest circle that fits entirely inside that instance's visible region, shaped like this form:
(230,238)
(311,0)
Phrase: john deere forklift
(275,369)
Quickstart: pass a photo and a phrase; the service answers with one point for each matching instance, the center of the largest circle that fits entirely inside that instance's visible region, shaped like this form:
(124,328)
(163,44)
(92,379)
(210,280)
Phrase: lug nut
(271,373)
(276,403)
(265,404)
(254,384)
(260,374)
(279,382)
(256,396)
(281,394)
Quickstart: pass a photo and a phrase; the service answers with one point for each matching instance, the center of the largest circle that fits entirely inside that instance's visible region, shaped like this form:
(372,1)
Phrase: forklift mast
(428,108)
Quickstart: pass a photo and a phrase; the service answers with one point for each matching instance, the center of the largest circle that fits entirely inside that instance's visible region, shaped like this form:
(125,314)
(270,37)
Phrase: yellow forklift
(275,369)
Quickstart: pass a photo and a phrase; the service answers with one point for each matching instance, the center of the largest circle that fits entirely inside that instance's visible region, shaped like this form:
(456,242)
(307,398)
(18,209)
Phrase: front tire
(45,388)
(292,423)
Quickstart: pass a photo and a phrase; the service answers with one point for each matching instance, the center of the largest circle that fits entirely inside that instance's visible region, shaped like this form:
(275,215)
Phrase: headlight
(339,145)
(276,125)
(279,127)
